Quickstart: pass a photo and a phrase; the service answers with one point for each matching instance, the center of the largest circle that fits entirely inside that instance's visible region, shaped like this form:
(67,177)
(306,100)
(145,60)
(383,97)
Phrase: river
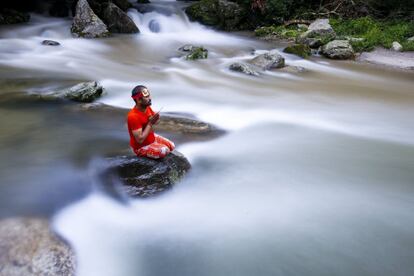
(315,175)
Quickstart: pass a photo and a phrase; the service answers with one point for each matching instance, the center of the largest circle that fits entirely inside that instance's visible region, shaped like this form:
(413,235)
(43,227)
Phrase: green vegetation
(279,31)
(375,32)
(299,50)
(197,53)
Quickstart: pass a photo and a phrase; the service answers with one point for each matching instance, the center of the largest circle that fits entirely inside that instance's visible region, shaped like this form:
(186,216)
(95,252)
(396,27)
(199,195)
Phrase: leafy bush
(279,31)
(374,32)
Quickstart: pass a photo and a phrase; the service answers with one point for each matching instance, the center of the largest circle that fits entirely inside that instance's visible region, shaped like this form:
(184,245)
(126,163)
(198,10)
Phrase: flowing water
(315,175)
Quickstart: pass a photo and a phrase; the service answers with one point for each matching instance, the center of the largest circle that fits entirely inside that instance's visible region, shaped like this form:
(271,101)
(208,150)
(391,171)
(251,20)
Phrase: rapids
(315,175)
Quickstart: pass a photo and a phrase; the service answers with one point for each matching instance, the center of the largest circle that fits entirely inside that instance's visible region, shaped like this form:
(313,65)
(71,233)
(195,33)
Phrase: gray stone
(319,33)
(293,69)
(28,247)
(86,23)
(143,177)
(118,21)
(83,92)
(50,43)
(396,46)
(338,49)
(243,68)
(410,38)
(269,60)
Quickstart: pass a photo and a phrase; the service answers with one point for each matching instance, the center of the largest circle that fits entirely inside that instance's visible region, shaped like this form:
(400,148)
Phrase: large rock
(301,50)
(143,177)
(122,4)
(118,21)
(243,68)
(319,33)
(338,49)
(269,60)
(222,14)
(85,92)
(86,23)
(28,247)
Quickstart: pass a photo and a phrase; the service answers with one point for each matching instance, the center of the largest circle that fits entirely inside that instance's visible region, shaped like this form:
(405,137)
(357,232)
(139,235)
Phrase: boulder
(293,69)
(301,50)
(396,46)
(86,23)
(223,14)
(243,68)
(144,177)
(269,60)
(194,52)
(10,16)
(85,92)
(118,21)
(410,39)
(319,33)
(50,43)
(28,247)
(338,49)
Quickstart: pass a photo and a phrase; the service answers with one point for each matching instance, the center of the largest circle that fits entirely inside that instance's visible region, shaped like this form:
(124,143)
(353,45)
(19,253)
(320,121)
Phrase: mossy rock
(301,50)
(197,53)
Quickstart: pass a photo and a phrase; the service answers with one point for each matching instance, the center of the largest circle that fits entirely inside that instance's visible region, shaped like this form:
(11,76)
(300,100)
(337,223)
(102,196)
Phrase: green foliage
(374,32)
(299,50)
(197,53)
(279,31)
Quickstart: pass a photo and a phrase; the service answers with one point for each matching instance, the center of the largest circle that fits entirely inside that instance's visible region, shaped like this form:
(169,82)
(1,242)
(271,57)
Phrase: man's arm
(140,135)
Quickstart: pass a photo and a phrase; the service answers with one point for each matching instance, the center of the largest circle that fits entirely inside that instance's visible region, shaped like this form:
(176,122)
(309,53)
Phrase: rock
(302,27)
(50,43)
(118,21)
(223,14)
(319,33)
(28,247)
(396,46)
(85,92)
(194,52)
(154,26)
(143,177)
(10,16)
(266,61)
(143,1)
(410,39)
(338,49)
(301,50)
(293,69)
(243,68)
(86,23)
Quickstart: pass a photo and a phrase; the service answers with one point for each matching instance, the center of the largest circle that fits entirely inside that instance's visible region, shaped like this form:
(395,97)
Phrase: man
(141,118)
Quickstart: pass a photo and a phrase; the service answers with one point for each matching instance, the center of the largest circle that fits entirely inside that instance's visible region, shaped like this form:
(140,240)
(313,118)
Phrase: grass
(375,32)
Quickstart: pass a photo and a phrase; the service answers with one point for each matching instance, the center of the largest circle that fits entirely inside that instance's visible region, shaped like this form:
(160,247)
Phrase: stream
(315,175)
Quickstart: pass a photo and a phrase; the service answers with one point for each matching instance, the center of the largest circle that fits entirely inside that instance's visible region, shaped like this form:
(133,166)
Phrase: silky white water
(315,175)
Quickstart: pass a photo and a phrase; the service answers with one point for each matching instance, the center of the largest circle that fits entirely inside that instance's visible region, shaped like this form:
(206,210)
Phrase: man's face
(146,98)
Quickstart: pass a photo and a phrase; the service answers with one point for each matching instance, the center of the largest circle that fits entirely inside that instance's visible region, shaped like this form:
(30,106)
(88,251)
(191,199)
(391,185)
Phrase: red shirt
(136,120)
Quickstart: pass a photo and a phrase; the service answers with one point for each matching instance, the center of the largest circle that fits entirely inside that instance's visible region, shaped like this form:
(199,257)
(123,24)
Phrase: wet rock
(86,23)
(143,177)
(83,92)
(194,52)
(269,60)
(319,33)
(50,43)
(301,50)
(338,49)
(10,16)
(154,26)
(222,14)
(143,1)
(243,68)
(396,46)
(28,247)
(293,69)
(118,21)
